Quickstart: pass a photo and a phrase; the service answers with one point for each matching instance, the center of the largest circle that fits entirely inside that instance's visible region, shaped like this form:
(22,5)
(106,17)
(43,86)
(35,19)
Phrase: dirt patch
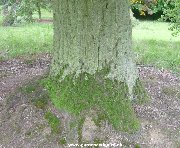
(44,21)
(22,122)
(17,72)
(161,118)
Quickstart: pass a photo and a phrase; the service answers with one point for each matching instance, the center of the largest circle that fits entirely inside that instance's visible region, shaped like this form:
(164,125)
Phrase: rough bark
(92,34)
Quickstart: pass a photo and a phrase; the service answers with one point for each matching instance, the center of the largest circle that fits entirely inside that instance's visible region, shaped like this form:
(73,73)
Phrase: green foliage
(11,15)
(172,14)
(8,20)
(150,6)
(53,121)
(28,7)
(24,10)
(89,93)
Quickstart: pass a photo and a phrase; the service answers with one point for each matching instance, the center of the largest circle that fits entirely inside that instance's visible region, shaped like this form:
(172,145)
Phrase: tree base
(108,99)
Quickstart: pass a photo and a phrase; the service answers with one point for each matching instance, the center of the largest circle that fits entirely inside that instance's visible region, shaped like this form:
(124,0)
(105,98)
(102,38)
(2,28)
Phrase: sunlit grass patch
(26,39)
(155,45)
(45,14)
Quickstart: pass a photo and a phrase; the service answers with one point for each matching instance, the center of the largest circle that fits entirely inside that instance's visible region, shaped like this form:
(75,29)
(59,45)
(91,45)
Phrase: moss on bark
(89,35)
(108,98)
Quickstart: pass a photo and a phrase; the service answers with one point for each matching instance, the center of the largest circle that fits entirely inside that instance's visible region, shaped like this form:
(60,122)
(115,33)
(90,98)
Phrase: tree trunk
(90,35)
(5,9)
(39,10)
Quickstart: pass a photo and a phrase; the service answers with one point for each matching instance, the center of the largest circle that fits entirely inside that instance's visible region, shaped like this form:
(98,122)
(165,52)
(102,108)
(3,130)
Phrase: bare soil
(44,20)
(22,125)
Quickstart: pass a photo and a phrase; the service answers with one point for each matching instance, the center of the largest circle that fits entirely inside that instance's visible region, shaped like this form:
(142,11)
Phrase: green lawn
(45,14)
(154,45)
(25,39)
(152,42)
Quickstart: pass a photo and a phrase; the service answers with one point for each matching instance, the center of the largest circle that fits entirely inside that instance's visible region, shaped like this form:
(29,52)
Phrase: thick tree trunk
(92,34)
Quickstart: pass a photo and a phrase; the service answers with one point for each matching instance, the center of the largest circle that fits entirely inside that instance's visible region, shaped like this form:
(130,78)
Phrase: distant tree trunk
(90,35)
(30,16)
(39,10)
(5,9)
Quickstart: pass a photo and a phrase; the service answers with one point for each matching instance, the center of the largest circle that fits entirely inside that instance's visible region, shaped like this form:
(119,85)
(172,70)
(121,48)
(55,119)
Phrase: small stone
(47,131)
(1,99)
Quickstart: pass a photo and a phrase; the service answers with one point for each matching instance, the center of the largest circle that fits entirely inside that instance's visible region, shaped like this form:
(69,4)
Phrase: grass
(53,121)
(154,45)
(45,14)
(27,39)
(152,42)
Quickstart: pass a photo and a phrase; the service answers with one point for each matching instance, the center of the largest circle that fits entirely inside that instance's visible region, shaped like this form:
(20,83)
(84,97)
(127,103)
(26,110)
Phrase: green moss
(40,102)
(178,95)
(170,91)
(53,121)
(29,88)
(140,94)
(100,117)
(28,133)
(63,141)
(80,125)
(137,146)
(29,62)
(92,91)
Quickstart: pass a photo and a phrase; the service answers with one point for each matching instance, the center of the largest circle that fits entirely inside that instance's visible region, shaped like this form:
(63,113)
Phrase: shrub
(151,6)
(172,14)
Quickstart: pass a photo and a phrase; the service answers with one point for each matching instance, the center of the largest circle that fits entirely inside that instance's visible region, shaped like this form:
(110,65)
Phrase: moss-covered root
(89,92)
(140,94)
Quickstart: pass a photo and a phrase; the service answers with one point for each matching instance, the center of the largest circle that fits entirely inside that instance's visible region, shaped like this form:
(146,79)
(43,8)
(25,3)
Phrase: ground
(24,123)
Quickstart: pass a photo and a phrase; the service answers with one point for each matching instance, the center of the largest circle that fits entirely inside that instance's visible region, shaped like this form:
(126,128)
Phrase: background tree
(5,7)
(23,10)
(172,14)
(45,4)
(28,7)
(10,18)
